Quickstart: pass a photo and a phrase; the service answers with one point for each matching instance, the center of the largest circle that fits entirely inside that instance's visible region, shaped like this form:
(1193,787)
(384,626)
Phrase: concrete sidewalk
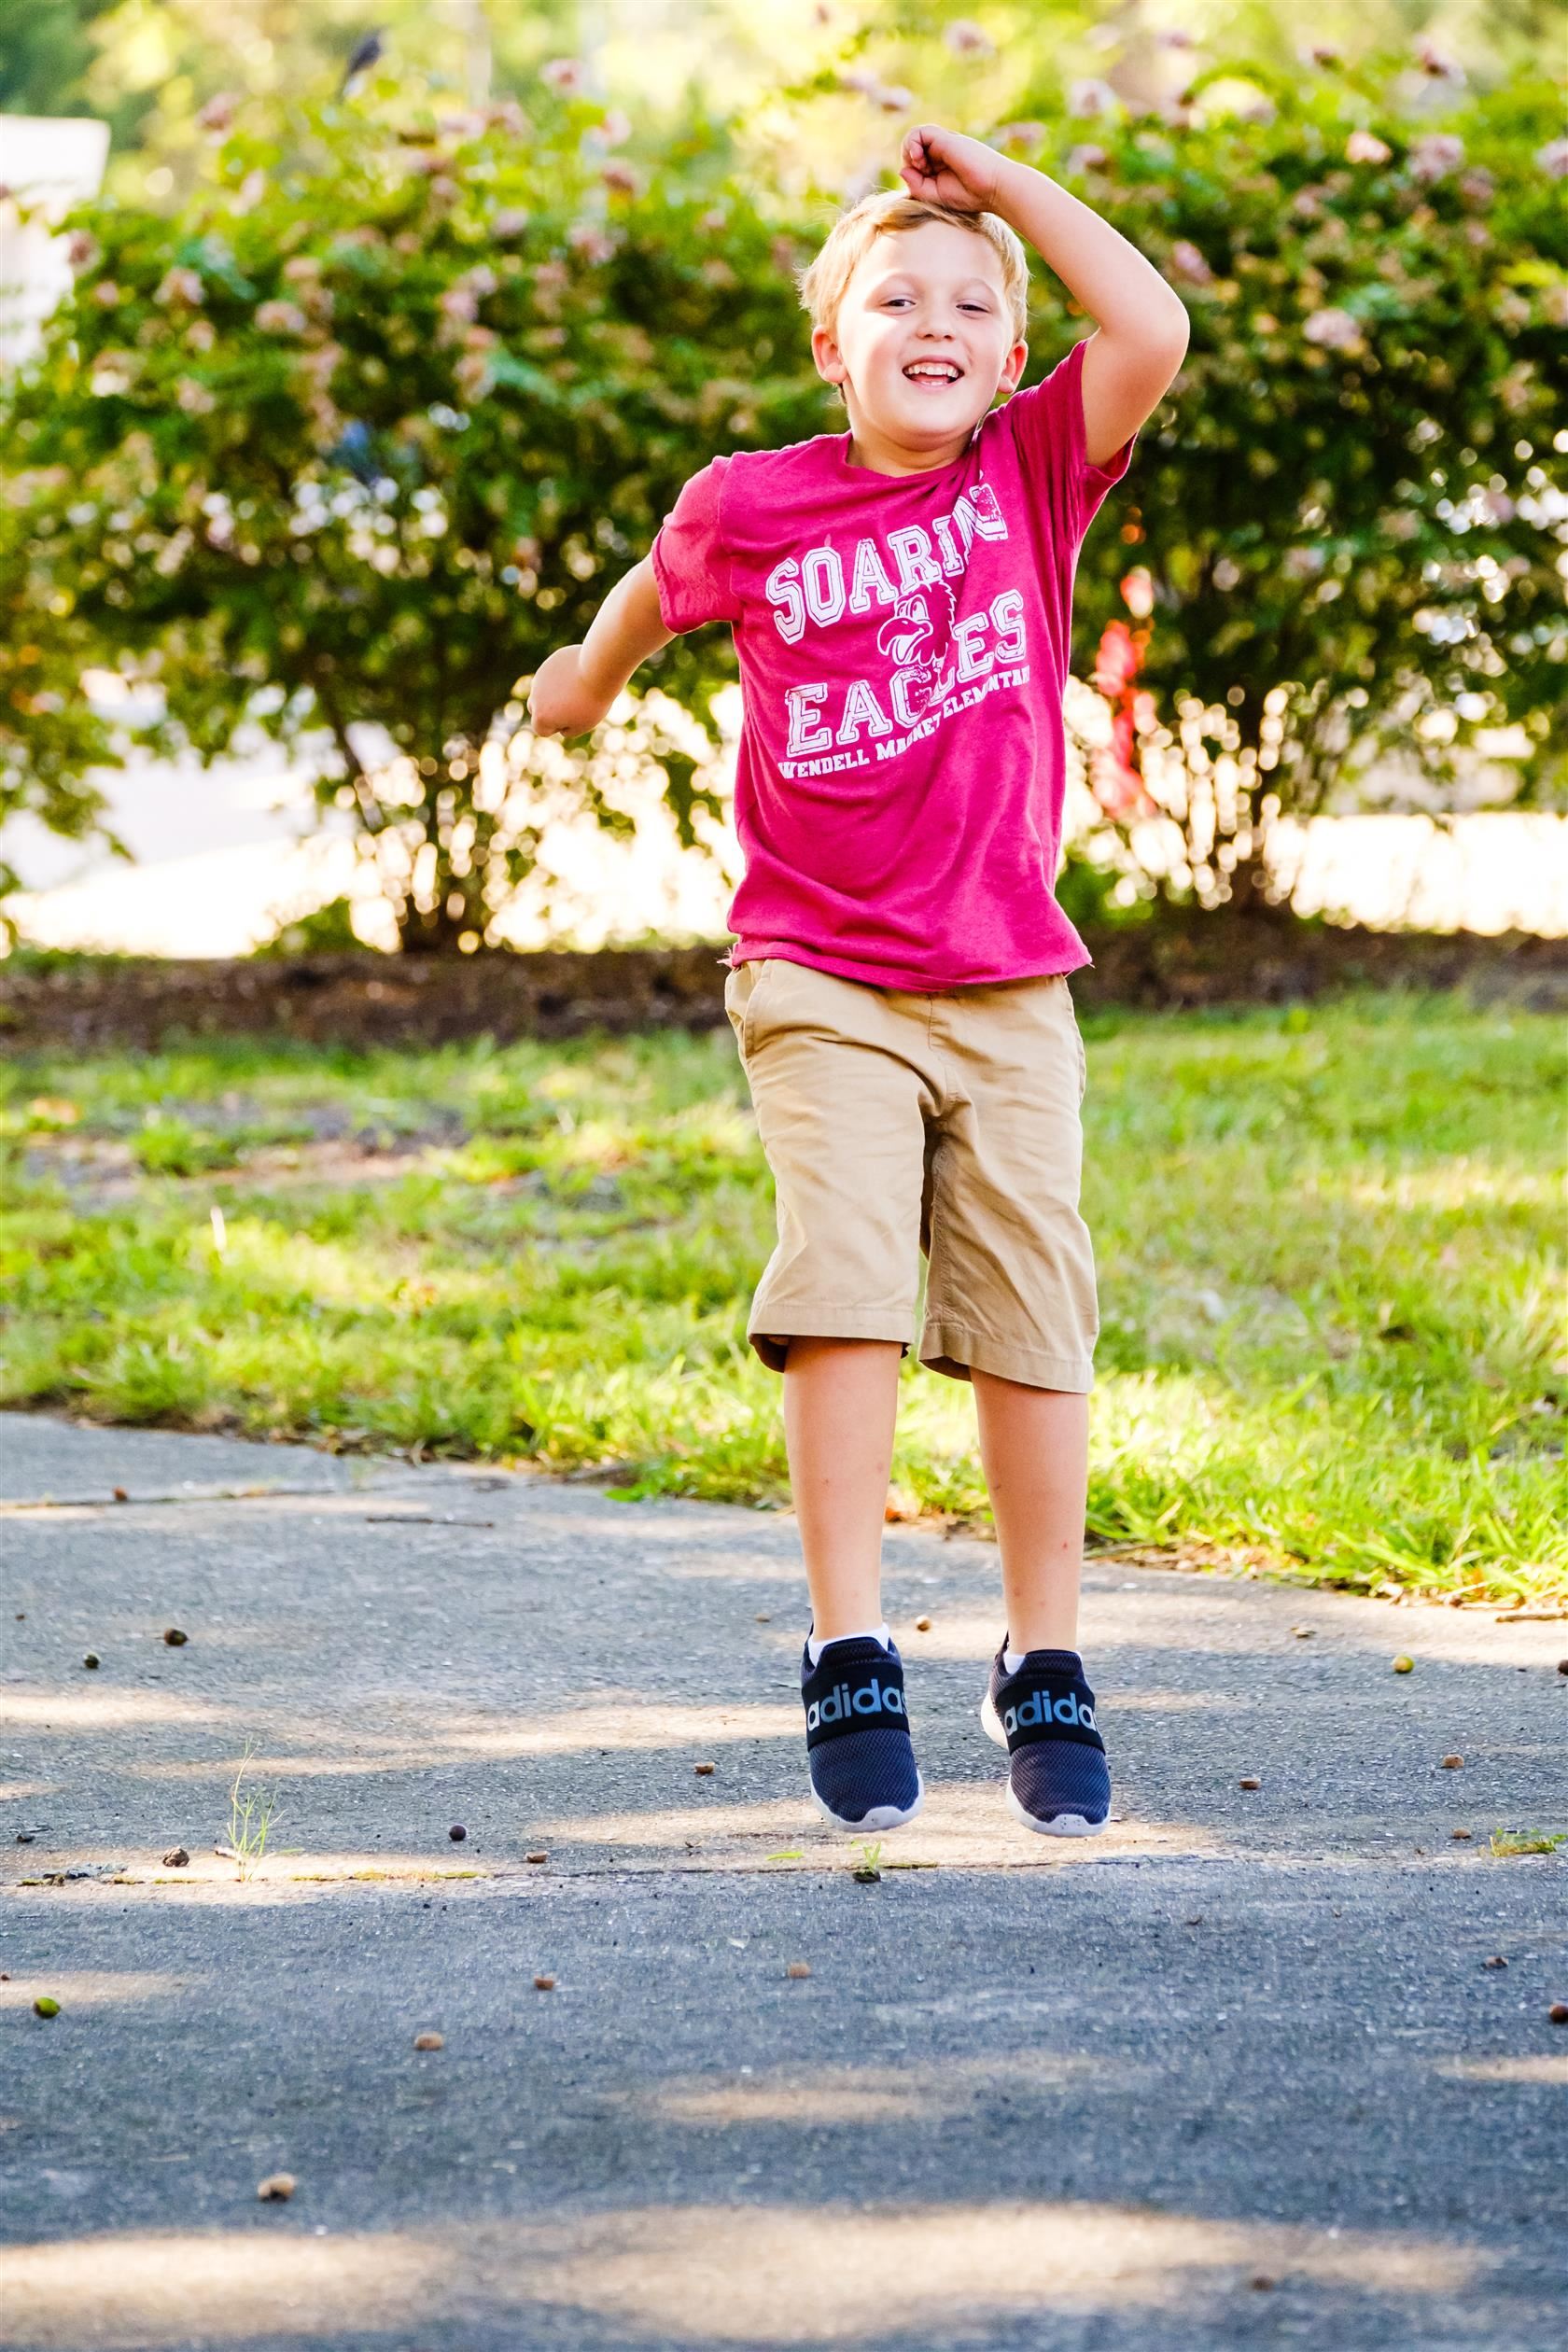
(1235,2074)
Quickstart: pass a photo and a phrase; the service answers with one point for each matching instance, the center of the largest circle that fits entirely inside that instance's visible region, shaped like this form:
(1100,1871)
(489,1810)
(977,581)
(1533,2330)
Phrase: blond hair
(883,213)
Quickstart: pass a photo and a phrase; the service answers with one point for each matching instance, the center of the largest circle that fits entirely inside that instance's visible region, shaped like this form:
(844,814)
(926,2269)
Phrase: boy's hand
(558,701)
(947,167)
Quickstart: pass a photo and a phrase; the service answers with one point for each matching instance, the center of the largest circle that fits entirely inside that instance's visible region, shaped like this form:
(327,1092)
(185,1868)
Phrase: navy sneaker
(857,1736)
(1057,1779)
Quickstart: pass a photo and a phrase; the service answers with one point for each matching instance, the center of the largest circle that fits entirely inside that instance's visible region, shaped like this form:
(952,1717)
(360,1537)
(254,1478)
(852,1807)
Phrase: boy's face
(923,341)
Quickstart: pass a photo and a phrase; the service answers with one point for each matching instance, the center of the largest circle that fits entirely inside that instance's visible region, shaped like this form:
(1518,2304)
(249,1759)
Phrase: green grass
(1330,1251)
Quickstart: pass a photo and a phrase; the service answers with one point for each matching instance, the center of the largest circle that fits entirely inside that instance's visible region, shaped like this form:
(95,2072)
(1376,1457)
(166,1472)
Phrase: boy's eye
(984,309)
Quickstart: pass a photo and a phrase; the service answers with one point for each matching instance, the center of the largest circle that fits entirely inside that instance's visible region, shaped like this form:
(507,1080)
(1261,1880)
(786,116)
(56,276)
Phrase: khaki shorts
(952,1118)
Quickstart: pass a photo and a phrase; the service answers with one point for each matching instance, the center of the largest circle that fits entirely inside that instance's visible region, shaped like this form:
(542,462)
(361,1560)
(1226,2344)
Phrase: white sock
(1011,1660)
(813,1648)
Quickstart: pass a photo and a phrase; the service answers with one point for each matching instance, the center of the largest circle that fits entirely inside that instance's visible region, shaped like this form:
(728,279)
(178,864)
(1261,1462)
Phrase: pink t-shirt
(903,645)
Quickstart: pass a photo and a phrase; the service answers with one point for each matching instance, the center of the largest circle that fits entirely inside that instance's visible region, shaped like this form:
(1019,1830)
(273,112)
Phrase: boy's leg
(1010,1306)
(1034,1447)
(840,1403)
(840,1407)
(838,1080)
(1034,1450)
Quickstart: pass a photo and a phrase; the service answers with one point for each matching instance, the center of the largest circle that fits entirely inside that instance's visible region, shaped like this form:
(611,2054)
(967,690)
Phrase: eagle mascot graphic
(917,637)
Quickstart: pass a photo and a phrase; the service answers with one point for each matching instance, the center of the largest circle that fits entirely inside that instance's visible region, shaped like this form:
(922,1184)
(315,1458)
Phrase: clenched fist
(559,703)
(947,167)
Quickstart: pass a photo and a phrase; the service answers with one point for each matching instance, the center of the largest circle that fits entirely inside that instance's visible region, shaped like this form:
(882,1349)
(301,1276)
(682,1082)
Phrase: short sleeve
(691,562)
(1047,423)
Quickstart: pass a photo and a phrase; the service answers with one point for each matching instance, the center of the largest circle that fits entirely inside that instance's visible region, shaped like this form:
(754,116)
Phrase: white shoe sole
(880,1816)
(1065,1824)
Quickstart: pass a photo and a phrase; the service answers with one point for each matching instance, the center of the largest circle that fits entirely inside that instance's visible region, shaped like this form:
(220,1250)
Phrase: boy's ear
(828,357)
(1013,367)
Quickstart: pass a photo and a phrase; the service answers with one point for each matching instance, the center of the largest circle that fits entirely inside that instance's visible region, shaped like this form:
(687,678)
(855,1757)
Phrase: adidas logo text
(1037,1709)
(842,1702)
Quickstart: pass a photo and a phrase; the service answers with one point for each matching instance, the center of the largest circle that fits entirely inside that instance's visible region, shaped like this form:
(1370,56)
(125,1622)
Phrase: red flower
(1117,661)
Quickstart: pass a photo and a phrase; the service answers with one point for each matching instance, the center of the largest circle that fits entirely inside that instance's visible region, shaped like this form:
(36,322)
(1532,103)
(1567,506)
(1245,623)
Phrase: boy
(900,596)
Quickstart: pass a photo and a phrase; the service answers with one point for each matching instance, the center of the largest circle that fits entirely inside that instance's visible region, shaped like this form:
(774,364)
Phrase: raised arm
(574,687)
(1140,324)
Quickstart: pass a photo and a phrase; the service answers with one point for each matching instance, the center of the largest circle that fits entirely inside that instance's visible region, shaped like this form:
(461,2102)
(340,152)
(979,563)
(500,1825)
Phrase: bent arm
(1142,323)
(573,690)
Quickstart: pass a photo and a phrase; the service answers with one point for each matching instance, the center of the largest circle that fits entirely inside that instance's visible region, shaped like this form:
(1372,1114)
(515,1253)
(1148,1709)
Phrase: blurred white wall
(53,163)
(227,854)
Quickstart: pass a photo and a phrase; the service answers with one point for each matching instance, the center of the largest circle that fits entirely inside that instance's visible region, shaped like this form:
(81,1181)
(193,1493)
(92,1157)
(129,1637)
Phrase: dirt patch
(367,1000)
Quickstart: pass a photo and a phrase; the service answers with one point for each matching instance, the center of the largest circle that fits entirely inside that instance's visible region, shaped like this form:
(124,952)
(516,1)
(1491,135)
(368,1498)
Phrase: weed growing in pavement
(251,1814)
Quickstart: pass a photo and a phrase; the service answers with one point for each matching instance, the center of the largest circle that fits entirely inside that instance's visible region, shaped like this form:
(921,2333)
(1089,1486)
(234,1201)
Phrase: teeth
(932,374)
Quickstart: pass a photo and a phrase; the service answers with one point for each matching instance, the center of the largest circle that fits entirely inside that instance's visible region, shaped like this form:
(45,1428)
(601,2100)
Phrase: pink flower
(1365,146)
(218,112)
(563,74)
(194,397)
(472,375)
(106,293)
(587,238)
(279,318)
(1190,262)
(1438,61)
(1435,156)
(892,97)
(1553,159)
(509,222)
(966,38)
(1088,98)
(614,131)
(179,286)
(1088,157)
(621,177)
(1323,53)
(1477,187)
(81,250)
(1332,330)
(1020,135)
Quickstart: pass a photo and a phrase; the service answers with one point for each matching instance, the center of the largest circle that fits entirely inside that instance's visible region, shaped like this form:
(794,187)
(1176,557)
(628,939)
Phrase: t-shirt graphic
(902,644)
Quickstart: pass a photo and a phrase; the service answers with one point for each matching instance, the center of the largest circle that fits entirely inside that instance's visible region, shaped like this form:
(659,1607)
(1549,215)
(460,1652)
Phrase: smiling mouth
(940,373)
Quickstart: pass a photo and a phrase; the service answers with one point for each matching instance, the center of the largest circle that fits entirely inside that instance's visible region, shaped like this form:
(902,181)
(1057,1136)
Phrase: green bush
(345,444)
(1345,529)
